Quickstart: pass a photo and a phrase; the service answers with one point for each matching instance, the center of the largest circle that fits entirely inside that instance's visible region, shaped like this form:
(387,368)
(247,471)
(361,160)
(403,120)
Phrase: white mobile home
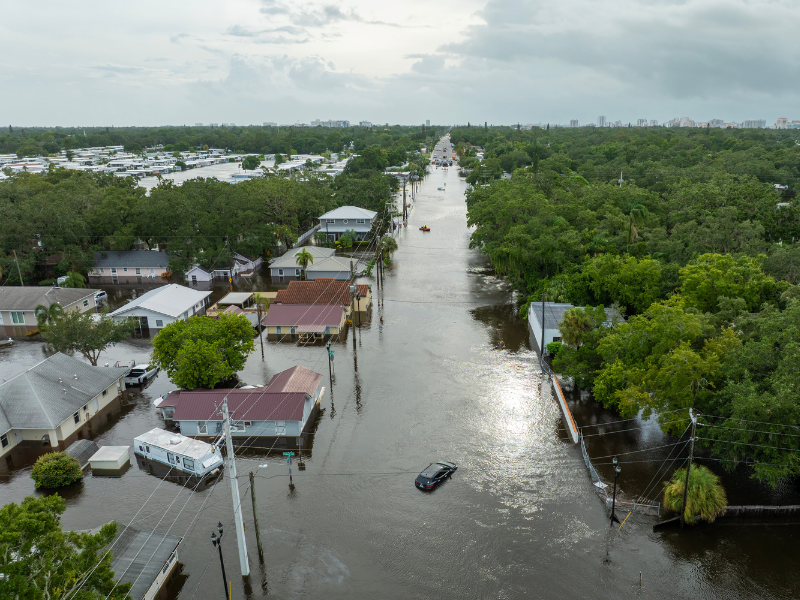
(178,452)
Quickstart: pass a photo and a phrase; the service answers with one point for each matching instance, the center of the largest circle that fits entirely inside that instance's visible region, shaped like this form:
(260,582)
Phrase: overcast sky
(501,61)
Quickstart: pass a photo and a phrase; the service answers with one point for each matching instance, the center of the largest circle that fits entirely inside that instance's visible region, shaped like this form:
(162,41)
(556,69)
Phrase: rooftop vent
(175,440)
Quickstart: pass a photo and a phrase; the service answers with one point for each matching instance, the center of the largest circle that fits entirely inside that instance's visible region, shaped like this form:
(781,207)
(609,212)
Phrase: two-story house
(347,218)
(130,266)
(18,305)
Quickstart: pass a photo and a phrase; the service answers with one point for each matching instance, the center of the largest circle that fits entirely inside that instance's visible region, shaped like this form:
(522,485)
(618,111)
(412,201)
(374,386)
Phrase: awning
(311,328)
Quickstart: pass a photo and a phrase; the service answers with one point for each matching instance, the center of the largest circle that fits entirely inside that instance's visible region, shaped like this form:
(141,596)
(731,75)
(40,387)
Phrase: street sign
(288,453)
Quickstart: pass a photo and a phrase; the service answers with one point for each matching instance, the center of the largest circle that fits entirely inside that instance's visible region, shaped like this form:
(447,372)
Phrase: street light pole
(617,469)
(217,541)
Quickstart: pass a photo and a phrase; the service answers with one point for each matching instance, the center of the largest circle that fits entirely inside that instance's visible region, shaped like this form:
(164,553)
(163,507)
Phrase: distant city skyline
(501,61)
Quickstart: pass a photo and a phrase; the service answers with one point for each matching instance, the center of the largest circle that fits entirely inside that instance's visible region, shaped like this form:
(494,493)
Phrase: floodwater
(443,370)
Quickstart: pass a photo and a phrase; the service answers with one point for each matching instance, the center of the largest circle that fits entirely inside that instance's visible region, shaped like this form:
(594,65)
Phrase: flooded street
(443,370)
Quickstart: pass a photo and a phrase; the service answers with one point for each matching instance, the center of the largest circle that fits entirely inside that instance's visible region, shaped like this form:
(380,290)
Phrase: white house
(197,275)
(285,268)
(347,218)
(333,267)
(164,305)
(553,315)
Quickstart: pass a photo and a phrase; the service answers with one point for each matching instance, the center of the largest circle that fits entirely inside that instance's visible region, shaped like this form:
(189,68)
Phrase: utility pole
(255,517)
(260,330)
(405,211)
(688,466)
(617,469)
(18,271)
(244,563)
(330,362)
(542,348)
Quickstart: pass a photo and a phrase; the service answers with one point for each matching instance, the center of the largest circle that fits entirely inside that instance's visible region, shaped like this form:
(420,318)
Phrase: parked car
(139,374)
(434,474)
(100,296)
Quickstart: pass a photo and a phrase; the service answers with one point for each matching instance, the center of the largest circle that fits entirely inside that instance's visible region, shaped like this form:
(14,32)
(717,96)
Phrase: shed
(82,450)
(110,459)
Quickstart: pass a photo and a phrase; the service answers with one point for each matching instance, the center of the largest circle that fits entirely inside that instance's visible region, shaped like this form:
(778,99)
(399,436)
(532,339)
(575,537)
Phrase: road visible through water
(443,370)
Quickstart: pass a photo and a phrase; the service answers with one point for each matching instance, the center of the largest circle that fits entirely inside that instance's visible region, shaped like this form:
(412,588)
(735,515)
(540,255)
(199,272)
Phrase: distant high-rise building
(427,122)
(573,123)
(782,123)
(754,124)
(364,124)
(601,121)
(270,124)
(318,123)
(653,123)
(716,123)
(641,122)
(686,122)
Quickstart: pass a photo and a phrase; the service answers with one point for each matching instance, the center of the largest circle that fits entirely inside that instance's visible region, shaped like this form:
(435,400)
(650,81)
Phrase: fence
(307,235)
(602,489)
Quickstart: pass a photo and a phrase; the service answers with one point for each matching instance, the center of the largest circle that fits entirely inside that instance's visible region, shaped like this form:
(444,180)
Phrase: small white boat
(140,374)
(178,452)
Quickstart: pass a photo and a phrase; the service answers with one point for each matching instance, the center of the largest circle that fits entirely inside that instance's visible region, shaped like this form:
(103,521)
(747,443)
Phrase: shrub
(56,469)
(553,348)
(706,499)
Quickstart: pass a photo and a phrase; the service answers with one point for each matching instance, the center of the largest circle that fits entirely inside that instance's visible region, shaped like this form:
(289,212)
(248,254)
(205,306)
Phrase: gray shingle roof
(139,556)
(48,393)
(28,297)
(131,258)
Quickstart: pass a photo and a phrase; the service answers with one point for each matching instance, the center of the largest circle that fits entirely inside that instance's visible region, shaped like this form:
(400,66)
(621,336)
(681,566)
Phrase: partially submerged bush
(56,469)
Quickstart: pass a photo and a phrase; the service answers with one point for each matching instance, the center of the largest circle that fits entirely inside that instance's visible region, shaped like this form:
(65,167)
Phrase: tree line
(703,264)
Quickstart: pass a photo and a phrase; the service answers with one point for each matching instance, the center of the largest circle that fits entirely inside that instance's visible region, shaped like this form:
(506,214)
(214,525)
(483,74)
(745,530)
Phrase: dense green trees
(697,247)
(72,331)
(201,352)
(39,561)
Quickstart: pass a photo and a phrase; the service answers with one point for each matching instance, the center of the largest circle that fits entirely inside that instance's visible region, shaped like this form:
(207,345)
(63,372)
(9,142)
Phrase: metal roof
(175,442)
(319,291)
(296,379)
(131,258)
(138,557)
(349,212)
(303,315)
(338,264)
(289,259)
(29,297)
(251,405)
(50,392)
(236,298)
(171,300)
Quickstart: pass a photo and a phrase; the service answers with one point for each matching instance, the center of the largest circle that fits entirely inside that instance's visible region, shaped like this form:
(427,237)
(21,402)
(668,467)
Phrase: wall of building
(69,427)
(338,275)
(127,275)
(255,429)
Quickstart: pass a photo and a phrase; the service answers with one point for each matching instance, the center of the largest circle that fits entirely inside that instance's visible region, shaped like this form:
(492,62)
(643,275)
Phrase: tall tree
(75,331)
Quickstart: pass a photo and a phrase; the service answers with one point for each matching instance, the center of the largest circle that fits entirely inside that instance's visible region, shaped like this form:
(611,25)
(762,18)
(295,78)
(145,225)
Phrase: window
(202,427)
(194,278)
(280,271)
(4,440)
(297,272)
(138,271)
(219,427)
(85,303)
(280,427)
(278,330)
(105,392)
(152,272)
(240,426)
(159,323)
(113,270)
(84,406)
(188,463)
(141,448)
(18,318)
(125,269)
(293,330)
(344,221)
(359,221)
(147,448)
(102,270)
(331,221)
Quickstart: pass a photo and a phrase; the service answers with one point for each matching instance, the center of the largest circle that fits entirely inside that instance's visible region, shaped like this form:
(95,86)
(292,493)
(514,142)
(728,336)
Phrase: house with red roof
(290,321)
(326,291)
(285,408)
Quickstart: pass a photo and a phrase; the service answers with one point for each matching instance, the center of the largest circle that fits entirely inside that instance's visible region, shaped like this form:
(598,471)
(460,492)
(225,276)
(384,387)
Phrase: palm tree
(636,218)
(706,499)
(388,245)
(303,258)
(47,315)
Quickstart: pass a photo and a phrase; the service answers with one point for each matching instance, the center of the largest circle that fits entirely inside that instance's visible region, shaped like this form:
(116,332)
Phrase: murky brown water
(444,370)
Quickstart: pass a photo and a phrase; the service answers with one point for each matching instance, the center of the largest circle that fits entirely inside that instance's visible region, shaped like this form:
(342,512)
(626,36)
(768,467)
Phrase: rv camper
(178,452)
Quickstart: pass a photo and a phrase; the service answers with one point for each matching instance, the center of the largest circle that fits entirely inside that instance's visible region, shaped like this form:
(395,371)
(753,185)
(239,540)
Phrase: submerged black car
(434,474)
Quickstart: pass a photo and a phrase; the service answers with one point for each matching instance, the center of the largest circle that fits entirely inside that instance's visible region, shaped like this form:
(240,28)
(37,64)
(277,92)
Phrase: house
(18,305)
(57,401)
(325,291)
(144,558)
(553,315)
(347,218)
(271,415)
(164,305)
(247,264)
(285,268)
(333,267)
(197,275)
(131,266)
(288,321)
